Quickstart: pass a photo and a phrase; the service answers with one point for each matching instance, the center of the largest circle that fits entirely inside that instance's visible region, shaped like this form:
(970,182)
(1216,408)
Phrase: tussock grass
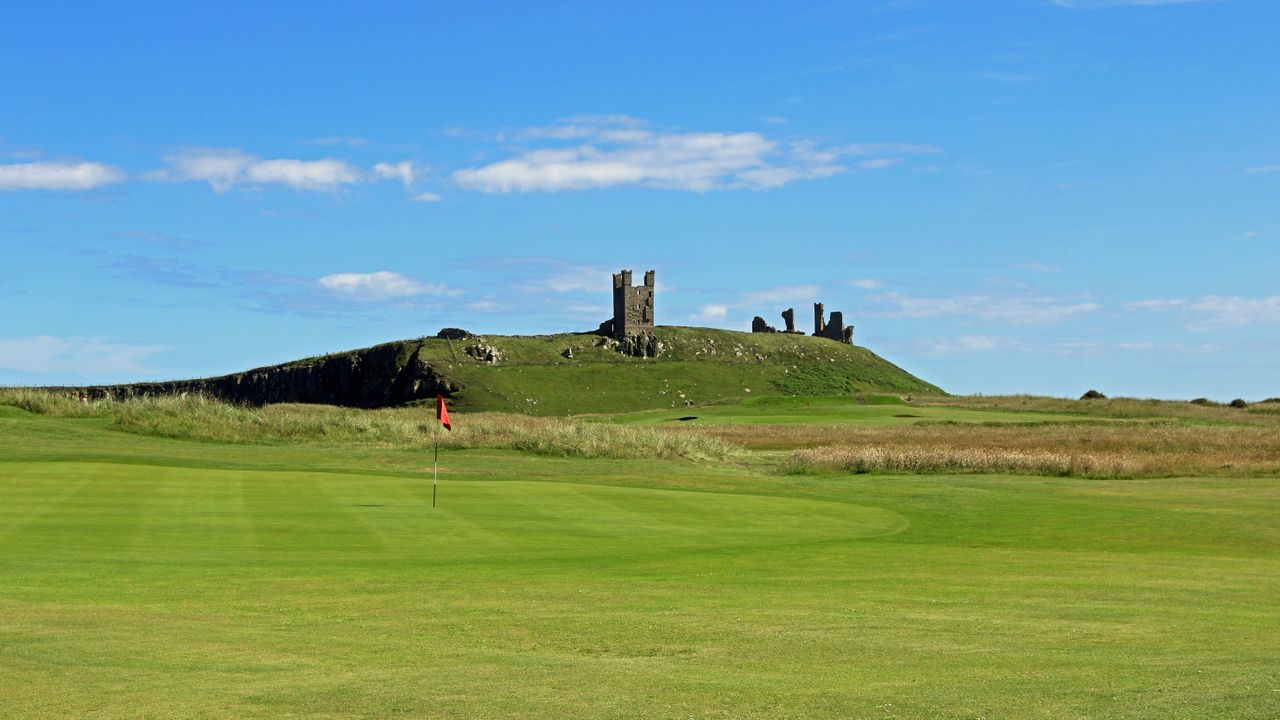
(1131,449)
(196,417)
(50,404)
(960,460)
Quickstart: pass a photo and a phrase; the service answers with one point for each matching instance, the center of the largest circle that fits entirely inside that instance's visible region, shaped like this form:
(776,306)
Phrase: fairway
(159,517)
(242,581)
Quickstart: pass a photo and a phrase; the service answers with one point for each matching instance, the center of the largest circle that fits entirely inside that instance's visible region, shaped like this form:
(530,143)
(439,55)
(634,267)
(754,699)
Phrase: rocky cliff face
(380,376)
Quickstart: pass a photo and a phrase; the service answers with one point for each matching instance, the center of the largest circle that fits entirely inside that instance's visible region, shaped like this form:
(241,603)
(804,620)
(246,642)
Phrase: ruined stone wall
(833,329)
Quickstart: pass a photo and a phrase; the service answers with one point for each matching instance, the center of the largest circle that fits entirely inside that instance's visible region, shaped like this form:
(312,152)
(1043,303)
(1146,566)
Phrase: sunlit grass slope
(697,366)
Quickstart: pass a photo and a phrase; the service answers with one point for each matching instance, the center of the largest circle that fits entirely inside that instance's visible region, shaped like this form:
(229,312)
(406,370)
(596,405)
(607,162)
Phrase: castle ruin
(632,322)
(832,329)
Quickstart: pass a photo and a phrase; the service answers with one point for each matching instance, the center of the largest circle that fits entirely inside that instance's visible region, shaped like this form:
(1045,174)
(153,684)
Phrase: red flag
(442,413)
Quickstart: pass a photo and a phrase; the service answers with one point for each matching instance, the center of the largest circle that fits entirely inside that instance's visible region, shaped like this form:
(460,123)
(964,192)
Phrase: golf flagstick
(442,415)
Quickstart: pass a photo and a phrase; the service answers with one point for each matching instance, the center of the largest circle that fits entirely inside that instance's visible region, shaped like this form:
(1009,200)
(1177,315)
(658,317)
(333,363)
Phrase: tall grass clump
(54,404)
(195,417)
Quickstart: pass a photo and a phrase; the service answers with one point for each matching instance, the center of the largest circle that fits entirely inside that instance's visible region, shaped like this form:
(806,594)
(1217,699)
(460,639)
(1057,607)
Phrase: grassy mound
(566,374)
(698,366)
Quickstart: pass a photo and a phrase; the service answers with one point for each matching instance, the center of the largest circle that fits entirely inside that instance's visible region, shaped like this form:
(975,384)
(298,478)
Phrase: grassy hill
(563,374)
(697,365)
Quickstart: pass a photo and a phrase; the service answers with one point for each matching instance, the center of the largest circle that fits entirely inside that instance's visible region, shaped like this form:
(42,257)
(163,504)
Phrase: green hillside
(697,366)
(565,374)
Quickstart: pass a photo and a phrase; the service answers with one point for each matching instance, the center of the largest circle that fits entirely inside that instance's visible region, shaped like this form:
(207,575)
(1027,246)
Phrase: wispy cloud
(78,356)
(710,313)
(867,283)
(381,285)
(962,345)
(778,294)
(406,172)
(619,150)
(225,168)
(1262,170)
(1216,311)
(1020,309)
(58,176)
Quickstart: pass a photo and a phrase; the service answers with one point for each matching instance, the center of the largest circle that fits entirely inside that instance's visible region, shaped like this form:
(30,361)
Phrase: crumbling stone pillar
(789,317)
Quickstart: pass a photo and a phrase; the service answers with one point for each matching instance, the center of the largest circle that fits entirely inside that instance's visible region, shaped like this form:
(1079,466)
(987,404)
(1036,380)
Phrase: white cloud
(426,197)
(404,171)
(620,150)
(1215,311)
(303,174)
(1027,309)
(879,163)
(382,285)
(1262,169)
(962,345)
(711,313)
(867,283)
(227,168)
(80,356)
(58,176)
(779,294)
(1158,305)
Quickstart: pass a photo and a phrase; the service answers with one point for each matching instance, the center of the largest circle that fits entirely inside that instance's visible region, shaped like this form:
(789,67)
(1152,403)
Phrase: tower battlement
(632,305)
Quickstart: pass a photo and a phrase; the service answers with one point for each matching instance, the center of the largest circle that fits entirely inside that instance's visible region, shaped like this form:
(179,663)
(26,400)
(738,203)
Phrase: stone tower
(632,306)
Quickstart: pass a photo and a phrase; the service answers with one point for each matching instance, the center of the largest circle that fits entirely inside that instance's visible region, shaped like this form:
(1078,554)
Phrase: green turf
(145,577)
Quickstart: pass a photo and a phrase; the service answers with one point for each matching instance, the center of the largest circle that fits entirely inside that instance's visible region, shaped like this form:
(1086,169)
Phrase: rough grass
(195,417)
(1198,442)
(1135,449)
(1260,413)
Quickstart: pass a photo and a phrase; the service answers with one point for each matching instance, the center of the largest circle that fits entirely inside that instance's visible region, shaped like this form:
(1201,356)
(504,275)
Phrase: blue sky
(1004,196)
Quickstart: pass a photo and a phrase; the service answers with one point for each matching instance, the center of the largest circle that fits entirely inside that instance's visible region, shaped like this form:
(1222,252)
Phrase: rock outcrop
(380,376)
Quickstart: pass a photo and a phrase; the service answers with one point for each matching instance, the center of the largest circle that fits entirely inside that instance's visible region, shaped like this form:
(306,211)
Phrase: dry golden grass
(1266,412)
(1128,449)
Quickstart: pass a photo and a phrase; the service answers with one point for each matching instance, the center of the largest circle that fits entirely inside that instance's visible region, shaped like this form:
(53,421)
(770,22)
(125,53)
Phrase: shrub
(1093,395)
(1239,403)
(1201,401)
